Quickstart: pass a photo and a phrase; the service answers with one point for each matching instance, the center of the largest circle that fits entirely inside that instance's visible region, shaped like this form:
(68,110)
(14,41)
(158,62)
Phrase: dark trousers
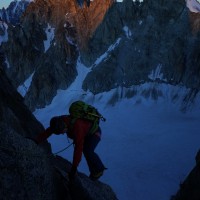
(94,162)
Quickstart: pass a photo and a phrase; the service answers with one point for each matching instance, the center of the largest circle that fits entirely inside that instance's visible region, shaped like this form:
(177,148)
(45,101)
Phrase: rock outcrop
(46,43)
(189,189)
(147,37)
(13,13)
(133,40)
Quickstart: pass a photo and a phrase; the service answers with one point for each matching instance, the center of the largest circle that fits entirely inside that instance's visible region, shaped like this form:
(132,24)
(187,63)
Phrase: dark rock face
(189,189)
(22,167)
(13,112)
(155,34)
(82,187)
(53,67)
(138,38)
(26,172)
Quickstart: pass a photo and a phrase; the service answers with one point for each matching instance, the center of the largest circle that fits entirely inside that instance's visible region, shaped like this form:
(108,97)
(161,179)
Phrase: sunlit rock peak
(62,13)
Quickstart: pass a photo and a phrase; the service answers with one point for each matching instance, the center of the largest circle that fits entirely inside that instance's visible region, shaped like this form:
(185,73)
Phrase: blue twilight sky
(4,3)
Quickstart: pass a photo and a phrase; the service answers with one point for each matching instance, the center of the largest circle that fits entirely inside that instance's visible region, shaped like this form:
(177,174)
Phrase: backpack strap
(94,127)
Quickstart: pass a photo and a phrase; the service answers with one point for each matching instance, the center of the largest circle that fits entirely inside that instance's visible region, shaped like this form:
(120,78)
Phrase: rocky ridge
(53,67)
(159,32)
(164,34)
(189,188)
(13,13)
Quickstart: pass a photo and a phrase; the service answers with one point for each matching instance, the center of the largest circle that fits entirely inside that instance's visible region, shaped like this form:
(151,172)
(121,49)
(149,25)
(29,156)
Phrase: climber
(82,143)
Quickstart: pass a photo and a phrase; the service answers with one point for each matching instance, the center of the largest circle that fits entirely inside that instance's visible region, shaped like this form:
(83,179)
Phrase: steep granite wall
(46,44)
(148,37)
(131,41)
(189,189)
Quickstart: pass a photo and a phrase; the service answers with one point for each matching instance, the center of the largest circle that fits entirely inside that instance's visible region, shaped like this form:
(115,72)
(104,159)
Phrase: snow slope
(193,5)
(148,146)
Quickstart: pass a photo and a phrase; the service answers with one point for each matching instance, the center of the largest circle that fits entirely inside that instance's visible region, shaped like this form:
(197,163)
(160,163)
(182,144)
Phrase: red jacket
(78,132)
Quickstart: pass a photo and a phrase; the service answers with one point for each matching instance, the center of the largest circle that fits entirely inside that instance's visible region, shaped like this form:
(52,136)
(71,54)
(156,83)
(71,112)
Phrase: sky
(5,3)
(148,146)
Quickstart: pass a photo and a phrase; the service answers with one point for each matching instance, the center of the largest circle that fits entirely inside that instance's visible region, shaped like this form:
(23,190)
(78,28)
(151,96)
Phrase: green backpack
(80,109)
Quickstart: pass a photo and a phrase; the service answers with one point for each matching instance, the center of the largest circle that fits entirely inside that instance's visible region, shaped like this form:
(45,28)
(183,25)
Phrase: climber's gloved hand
(32,139)
(72,173)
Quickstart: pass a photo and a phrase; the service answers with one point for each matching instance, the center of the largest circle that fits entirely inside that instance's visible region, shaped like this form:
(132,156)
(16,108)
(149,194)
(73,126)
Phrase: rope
(63,149)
